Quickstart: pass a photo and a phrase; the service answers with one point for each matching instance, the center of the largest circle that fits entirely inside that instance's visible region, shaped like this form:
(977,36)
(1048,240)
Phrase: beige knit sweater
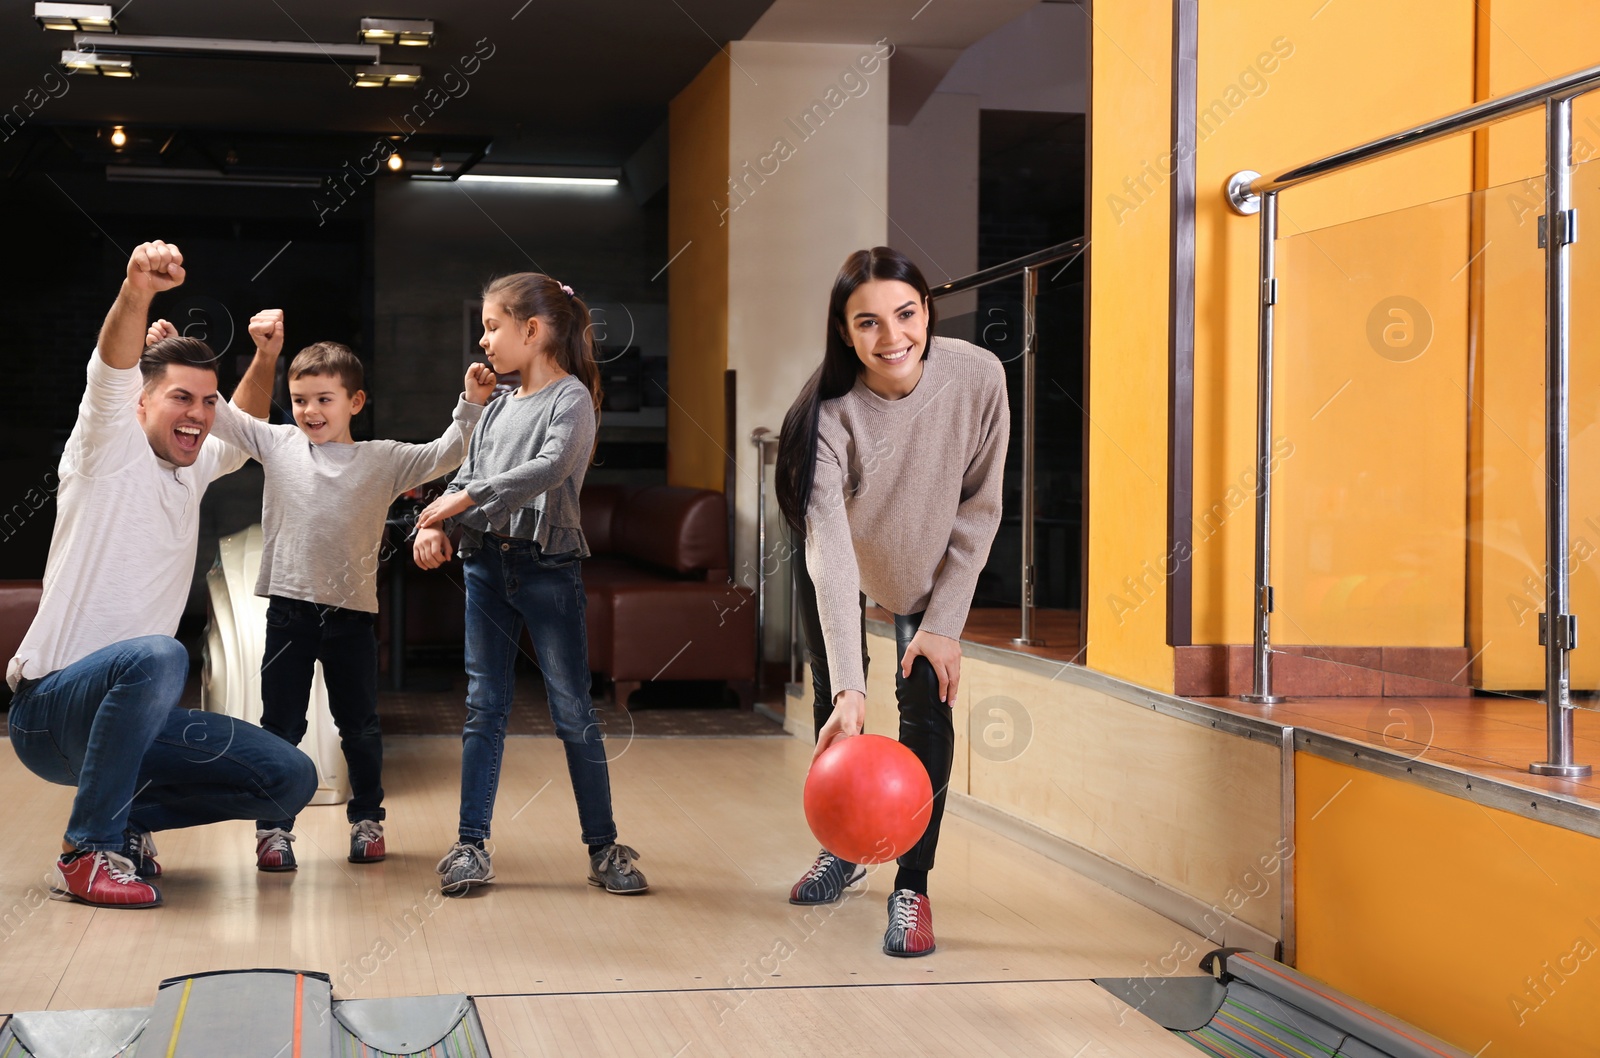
(906,499)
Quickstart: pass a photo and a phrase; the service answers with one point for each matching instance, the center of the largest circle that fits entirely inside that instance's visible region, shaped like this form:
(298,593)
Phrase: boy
(323,514)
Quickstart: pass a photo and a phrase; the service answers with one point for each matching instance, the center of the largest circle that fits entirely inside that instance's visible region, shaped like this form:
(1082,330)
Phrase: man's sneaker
(102,879)
(910,929)
(138,847)
(366,842)
(273,852)
(612,867)
(827,879)
(464,867)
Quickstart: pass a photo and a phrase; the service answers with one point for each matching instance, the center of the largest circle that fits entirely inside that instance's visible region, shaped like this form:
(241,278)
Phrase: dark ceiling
(573,83)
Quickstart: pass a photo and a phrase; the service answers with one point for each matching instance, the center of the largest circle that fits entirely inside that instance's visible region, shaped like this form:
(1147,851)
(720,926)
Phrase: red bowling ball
(868,799)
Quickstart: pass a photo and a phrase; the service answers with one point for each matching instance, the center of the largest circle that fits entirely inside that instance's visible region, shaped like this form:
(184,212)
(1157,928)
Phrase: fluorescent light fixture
(225,48)
(409,32)
(382,75)
(568,181)
(88,62)
(75,18)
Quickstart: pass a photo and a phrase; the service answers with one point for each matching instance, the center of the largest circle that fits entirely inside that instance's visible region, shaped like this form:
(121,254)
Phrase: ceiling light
(88,62)
(411,32)
(228,48)
(381,75)
(438,162)
(82,18)
(569,181)
(396,163)
(119,138)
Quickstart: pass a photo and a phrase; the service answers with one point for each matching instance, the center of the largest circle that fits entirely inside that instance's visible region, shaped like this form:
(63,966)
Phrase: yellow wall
(1299,80)
(1128,257)
(697,282)
(1507,576)
(1440,911)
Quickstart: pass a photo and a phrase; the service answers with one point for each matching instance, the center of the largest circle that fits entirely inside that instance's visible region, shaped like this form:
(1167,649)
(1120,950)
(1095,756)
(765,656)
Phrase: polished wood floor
(712,960)
(1493,736)
(1055,631)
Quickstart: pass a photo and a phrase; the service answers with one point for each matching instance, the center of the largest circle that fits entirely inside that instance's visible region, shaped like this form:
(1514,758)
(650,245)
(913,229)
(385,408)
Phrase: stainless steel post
(1261,681)
(1558,626)
(761,437)
(1030,370)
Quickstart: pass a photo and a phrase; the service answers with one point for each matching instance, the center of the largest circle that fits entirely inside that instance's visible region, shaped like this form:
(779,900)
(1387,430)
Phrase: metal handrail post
(1261,680)
(1558,627)
(1030,370)
(762,438)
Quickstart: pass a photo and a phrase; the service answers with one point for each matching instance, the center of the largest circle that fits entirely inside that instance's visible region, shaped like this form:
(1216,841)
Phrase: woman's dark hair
(797,441)
(529,294)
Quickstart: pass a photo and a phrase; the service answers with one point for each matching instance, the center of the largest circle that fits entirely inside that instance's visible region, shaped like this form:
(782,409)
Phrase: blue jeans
(300,634)
(110,725)
(511,583)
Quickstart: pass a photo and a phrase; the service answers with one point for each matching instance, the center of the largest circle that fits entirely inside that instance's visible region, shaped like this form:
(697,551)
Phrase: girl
(890,465)
(516,502)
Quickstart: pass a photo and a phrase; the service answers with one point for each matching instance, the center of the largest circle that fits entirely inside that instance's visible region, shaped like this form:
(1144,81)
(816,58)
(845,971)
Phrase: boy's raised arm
(253,395)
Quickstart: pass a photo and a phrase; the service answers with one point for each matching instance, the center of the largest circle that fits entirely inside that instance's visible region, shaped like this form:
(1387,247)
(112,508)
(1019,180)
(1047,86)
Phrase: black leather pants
(926,725)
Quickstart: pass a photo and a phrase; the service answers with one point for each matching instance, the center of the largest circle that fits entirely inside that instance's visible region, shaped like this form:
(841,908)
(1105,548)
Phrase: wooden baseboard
(1224,670)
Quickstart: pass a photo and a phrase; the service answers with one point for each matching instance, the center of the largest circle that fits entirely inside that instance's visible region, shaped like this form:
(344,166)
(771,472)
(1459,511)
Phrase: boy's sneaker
(612,867)
(464,867)
(910,929)
(366,841)
(273,852)
(102,879)
(138,847)
(826,881)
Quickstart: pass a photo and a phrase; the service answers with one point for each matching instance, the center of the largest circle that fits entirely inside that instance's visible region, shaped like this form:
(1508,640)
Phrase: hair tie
(567,290)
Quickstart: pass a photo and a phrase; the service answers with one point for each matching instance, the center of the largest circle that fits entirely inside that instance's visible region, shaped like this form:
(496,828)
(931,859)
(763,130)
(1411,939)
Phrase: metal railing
(1027,267)
(1249,192)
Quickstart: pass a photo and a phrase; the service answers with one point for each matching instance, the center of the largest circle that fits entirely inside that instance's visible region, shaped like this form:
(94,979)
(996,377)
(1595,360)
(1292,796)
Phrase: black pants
(926,725)
(299,634)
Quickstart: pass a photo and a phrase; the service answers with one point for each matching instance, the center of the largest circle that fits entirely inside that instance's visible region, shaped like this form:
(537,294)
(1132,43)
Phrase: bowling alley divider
(1457,903)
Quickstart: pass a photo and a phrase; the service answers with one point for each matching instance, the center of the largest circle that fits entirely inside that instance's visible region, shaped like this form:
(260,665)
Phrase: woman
(890,465)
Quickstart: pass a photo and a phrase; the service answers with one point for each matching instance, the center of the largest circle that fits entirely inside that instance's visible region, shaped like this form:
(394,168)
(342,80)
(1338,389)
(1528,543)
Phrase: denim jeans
(110,725)
(300,634)
(927,727)
(511,583)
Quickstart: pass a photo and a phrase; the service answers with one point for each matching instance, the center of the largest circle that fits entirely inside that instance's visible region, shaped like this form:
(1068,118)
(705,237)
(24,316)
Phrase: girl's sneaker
(366,842)
(101,879)
(273,852)
(826,881)
(910,929)
(612,868)
(464,867)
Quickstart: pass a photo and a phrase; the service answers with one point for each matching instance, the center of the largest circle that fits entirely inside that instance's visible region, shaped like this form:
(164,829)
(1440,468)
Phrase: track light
(75,18)
(380,75)
(88,62)
(409,32)
(568,181)
(396,163)
(119,138)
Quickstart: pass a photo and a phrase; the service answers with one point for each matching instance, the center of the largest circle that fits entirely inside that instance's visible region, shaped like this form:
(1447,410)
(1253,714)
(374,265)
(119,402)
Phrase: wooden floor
(1055,631)
(1496,737)
(713,960)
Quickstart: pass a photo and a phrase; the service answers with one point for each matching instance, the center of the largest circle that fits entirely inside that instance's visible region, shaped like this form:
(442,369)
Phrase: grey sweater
(526,468)
(324,506)
(906,499)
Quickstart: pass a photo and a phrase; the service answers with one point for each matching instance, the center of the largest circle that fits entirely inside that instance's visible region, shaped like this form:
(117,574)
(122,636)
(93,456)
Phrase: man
(98,677)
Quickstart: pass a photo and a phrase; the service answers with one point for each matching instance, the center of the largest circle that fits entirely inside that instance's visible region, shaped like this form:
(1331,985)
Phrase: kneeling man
(98,677)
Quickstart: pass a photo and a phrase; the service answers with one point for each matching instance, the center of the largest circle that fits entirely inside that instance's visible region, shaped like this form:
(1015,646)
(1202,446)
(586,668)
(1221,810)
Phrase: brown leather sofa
(19,601)
(660,605)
